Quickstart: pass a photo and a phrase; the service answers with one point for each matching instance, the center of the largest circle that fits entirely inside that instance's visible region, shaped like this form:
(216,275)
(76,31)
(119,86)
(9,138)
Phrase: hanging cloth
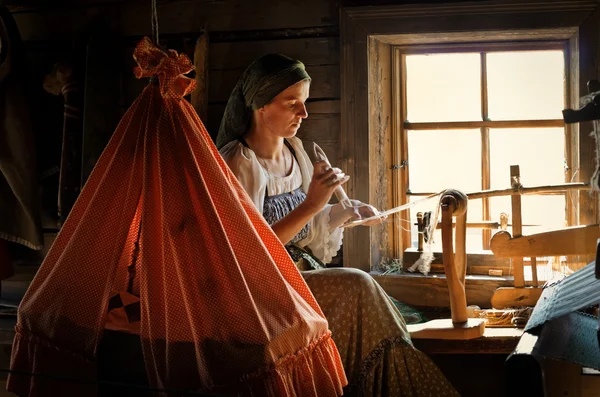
(20,220)
(222,307)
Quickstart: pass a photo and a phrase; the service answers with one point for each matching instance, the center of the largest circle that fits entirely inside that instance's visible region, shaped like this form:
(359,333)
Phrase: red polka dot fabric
(222,307)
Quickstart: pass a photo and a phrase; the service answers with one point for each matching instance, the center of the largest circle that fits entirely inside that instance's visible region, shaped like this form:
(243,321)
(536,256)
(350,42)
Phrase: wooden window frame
(368,35)
(484,125)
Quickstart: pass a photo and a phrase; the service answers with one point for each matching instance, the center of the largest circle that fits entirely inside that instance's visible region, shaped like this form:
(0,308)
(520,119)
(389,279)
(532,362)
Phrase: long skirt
(372,338)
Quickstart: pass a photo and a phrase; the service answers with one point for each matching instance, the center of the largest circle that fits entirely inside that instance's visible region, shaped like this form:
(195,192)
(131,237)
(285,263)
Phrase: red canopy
(221,305)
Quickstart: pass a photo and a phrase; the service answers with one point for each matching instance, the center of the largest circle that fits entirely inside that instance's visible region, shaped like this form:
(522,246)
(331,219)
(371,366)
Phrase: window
(369,39)
(473,111)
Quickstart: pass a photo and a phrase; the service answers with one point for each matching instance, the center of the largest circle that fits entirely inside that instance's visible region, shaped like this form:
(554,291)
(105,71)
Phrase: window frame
(369,116)
(399,54)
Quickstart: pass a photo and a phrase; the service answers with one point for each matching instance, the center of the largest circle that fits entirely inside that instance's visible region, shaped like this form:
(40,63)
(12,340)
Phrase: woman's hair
(260,83)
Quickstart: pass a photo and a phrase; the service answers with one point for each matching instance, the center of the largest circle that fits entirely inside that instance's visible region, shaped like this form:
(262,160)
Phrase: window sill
(478,263)
(418,290)
(494,341)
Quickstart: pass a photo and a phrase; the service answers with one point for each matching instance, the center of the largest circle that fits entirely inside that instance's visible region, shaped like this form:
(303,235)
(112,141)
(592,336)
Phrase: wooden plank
(589,57)
(561,378)
(398,183)
(312,52)
(35,5)
(277,34)
(590,384)
(485,150)
(325,82)
(488,36)
(458,125)
(447,329)
(182,16)
(380,149)
(493,341)
(507,298)
(101,113)
(547,189)
(131,88)
(199,97)
(484,47)
(471,16)
(313,108)
(515,206)
(572,131)
(324,106)
(482,261)
(576,240)
(322,126)
(432,291)
(355,135)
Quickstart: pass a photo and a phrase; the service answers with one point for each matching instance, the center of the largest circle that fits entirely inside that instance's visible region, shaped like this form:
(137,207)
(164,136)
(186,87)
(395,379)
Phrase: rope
(154,18)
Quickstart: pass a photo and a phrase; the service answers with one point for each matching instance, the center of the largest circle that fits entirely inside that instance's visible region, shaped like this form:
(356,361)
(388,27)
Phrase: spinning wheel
(453,204)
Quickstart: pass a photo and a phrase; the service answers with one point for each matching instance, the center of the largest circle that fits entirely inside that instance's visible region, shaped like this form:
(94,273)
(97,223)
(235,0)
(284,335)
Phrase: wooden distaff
(340,193)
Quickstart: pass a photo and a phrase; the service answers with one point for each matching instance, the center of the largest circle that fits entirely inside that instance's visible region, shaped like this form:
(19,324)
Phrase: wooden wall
(239,32)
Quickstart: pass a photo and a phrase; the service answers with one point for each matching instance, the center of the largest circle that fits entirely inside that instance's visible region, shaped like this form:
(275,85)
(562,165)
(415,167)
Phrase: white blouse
(256,181)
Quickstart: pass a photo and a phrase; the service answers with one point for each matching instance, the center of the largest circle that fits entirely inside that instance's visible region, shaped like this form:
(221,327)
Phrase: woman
(257,140)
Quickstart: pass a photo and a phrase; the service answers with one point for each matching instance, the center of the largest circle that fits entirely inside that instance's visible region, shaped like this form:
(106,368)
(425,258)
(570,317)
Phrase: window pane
(546,211)
(441,160)
(474,236)
(443,87)
(525,85)
(539,152)
(444,159)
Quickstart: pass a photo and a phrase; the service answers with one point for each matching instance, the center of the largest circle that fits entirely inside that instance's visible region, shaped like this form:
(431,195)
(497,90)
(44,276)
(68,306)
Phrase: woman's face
(284,114)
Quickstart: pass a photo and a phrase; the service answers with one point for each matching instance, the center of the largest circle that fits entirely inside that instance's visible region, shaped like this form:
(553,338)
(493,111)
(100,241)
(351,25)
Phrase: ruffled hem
(313,371)
(40,368)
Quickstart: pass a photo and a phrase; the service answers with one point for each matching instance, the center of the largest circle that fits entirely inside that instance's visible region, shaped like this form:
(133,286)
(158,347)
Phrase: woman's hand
(364,211)
(340,215)
(368,211)
(324,182)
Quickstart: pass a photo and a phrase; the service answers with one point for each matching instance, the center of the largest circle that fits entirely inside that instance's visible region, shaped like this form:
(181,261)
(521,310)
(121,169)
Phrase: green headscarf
(262,81)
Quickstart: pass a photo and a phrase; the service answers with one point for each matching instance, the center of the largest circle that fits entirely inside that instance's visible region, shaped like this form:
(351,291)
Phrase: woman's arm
(324,181)
(287,227)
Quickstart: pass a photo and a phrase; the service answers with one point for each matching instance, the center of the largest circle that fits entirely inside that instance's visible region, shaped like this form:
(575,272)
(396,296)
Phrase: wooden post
(534,276)
(518,295)
(420,231)
(515,200)
(199,97)
(458,299)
